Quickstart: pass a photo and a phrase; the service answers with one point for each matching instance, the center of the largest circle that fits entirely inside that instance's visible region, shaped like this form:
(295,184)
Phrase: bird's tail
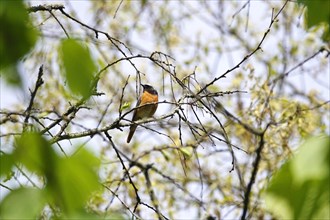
(131,132)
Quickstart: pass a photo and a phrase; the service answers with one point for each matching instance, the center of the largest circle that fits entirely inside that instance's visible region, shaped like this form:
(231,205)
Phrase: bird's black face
(149,89)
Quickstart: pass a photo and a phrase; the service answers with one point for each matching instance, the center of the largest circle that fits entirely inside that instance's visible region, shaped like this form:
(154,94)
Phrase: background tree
(240,85)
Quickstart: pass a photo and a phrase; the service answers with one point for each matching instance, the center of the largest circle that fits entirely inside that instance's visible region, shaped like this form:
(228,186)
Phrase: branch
(254,174)
(45,8)
(116,124)
(116,195)
(150,207)
(280,77)
(126,170)
(72,109)
(33,95)
(114,16)
(58,21)
(184,189)
(151,191)
(122,97)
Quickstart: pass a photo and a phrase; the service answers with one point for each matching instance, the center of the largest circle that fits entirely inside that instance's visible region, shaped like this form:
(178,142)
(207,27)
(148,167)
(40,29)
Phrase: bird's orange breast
(148,110)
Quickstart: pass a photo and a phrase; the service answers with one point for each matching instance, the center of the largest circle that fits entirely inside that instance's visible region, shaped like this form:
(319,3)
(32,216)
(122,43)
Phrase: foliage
(15,30)
(318,13)
(79,67)
(300,189)
(63,186)
(239,90)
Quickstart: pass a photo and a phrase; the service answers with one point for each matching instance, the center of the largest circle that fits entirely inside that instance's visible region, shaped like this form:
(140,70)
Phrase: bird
(149,103)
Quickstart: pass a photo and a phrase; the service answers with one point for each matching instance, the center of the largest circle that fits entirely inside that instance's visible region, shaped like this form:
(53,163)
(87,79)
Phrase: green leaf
(317,11)
(318,14)
(70,181)
(6,163)
(185,152)
(312,160)
(35,153)
(76,178)
(300,190)
(16,39)
(166,155)
(125,106)
(79,67)
(22,203)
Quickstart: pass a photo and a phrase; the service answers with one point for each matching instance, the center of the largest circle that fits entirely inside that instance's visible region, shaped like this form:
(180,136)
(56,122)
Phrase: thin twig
(280,77)
(114,16)
(122,97)
(58,21)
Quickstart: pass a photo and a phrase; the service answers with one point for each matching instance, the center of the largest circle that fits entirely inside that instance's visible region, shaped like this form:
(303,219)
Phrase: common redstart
(149,95)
